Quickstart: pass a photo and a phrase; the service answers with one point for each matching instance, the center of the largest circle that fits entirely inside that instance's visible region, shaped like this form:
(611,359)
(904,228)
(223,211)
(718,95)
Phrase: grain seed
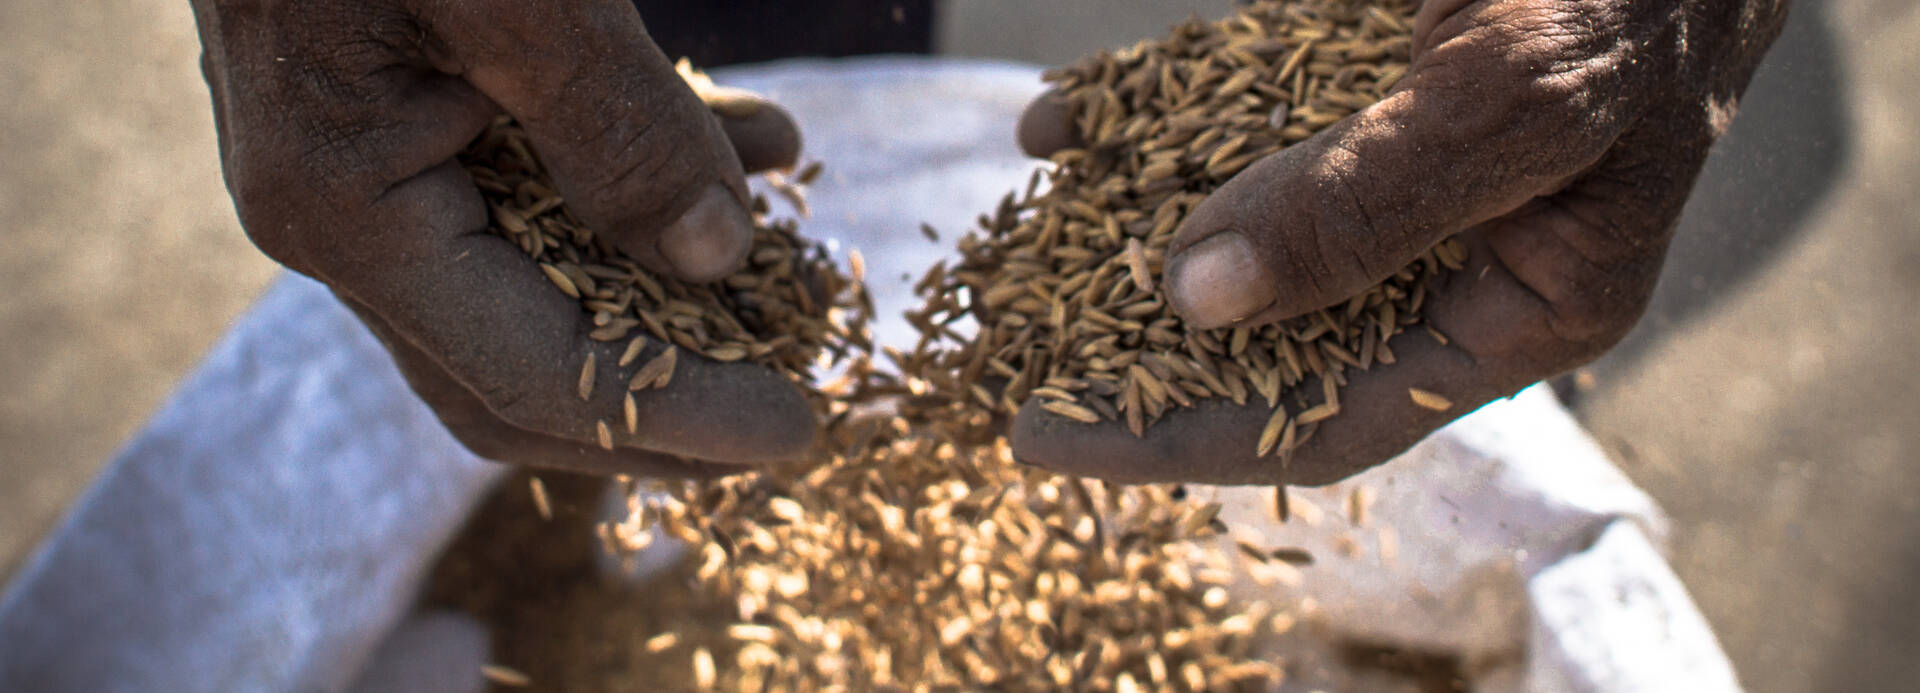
(703,670)
(561,280)
(633,351)
(1429,400)
(809,174)
(585,387)
(1137,265)
(505,676)
(1270,435)
(656,372)
(540,502)
(661,643)
(1071,411)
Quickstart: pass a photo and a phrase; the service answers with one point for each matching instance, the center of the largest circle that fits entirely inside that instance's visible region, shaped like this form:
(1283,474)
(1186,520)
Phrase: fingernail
(1218,282)
(711,239)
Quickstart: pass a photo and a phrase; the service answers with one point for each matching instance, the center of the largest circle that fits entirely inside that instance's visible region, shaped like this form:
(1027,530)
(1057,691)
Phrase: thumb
(634,151)
(1476,129)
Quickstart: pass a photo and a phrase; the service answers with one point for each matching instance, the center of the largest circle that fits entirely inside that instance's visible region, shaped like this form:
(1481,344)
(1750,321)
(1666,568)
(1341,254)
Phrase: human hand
(1558,139)
(339,126)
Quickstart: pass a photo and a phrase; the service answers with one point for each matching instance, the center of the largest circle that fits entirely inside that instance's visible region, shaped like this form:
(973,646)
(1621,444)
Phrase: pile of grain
(913,552)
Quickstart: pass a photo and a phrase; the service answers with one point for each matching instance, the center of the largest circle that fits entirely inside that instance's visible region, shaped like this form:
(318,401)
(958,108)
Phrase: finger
(1046,126)
(1488,356)
(1216,441)
(762,133)
(637,155)
(470,422)
(1427,19)
(1502,108)
(1544,290)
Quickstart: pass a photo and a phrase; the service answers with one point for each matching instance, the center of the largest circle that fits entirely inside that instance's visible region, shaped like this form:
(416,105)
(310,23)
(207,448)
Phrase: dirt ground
(1767,401)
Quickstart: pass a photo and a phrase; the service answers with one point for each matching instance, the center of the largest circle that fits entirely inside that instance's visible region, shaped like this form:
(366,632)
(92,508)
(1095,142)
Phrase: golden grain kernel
(505,676)
(585,386)
(1071,411)
(662,642)
(1270,435)
(540,502)
(633,351)
(560,279)
(704,674)
(656,372)
(1429,400)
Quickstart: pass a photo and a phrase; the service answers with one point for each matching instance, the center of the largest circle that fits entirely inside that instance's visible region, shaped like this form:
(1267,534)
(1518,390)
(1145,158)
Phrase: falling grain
(1357,501)
(661,643)
(809,174)
(704,674)
(1293,556)
(505,676)
(540,502)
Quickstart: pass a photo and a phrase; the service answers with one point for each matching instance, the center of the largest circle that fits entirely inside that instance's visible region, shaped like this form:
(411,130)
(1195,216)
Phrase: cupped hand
(1558,139)
(339,126)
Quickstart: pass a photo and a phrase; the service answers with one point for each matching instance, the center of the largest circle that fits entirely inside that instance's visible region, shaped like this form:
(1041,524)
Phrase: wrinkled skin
(1558,138)
(339,123)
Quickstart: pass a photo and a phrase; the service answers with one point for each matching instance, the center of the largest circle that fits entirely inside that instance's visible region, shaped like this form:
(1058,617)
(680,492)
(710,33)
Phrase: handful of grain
(780,311)
(1062,283)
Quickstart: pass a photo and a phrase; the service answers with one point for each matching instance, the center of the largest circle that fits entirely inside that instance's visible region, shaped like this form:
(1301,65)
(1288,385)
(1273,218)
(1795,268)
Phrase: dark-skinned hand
(339,124)
(1557,138)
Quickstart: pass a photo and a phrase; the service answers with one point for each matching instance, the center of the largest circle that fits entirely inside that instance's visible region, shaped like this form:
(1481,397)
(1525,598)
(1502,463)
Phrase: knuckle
(1537,76)
(1344,238)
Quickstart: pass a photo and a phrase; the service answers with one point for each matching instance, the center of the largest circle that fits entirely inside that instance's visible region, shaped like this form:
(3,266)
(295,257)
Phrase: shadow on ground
(1783,155)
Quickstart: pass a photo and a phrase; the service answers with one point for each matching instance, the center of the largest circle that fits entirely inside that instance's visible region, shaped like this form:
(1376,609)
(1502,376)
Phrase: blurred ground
(1765,401)
(122,260)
